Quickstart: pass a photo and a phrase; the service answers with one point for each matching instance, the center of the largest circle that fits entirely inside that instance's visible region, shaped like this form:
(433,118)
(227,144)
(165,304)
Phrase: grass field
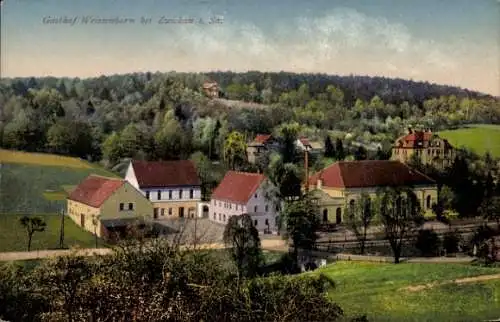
(378,291)
(478,138)
(39,183)
(13,236)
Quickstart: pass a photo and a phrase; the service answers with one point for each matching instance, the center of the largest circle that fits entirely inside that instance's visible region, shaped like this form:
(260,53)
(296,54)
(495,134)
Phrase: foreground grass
(478,138)
(378,291)
(13,237)
(10,156)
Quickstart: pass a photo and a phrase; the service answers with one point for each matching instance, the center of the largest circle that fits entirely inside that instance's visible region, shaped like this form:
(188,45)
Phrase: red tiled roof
(262,138)
(238,186)
(369,173)
(95,190)
(305,141)
(155,174)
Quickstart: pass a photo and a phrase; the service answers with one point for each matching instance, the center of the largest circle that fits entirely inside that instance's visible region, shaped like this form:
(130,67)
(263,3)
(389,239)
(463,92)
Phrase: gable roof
(305,142)
(95,190)
(262,138)
(155,174)
(238,186)
(369,173)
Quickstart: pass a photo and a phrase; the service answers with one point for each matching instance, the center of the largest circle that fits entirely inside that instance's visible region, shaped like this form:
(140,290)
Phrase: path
(465,280)
(267,244)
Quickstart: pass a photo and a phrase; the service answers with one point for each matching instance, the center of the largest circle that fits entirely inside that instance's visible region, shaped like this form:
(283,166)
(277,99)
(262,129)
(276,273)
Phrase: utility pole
(61,233)
(306,166)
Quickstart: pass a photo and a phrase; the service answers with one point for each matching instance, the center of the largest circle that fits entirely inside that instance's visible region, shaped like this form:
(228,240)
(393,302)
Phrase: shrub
(428,242)
(451,242)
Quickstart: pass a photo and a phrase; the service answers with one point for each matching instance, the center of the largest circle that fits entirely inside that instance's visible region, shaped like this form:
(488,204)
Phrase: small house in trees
(173,187)
(304,144)
(105,206)
(342,183)
(261,144)
(211,89)
(246,193)
(427,147)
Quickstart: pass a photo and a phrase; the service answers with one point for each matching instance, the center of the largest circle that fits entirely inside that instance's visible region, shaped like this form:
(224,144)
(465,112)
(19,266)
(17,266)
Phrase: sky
(452,42)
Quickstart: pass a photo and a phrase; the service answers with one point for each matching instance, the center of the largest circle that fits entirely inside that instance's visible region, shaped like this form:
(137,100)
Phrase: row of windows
(222,217)
(237,207)
(170,194)
(130,206)
(428,202)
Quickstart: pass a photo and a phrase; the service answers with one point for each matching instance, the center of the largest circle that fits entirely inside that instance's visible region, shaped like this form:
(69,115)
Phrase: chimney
(319,184)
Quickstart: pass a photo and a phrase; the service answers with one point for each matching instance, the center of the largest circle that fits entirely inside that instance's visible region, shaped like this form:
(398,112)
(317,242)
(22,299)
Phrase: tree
(329,148)
(286,177)
(170,140)
(444,203)
(32,225)
(359,218)
(339,149)
(300,218)
(243,239)
(490,205)
(360,153)
(235,150)
(400,214)
(288,134)
(112,148)
(427,242)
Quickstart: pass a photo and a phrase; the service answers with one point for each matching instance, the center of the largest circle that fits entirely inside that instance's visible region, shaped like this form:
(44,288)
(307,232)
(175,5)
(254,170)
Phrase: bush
(451,242)
(428,242)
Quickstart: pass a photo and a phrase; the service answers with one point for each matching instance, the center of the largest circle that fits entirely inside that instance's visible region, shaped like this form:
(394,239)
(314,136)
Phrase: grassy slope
(479,138)
(375,289)
(38,183)
(13,236)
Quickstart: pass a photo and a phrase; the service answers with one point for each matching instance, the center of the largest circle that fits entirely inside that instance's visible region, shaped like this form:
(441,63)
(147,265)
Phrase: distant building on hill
(429,148)
(211,89)
(261,144)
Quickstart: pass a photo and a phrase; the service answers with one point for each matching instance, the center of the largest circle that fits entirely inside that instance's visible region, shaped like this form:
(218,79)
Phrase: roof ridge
(103,177)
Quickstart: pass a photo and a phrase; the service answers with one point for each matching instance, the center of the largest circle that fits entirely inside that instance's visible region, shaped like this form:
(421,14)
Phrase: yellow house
(344,182)
(428,148)
(173,187)
(104,205)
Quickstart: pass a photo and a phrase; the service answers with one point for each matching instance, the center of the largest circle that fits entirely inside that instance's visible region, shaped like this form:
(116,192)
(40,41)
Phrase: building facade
(426,146)
(101,205)
(172,186)
(342,183)
(211,89)
(244,192)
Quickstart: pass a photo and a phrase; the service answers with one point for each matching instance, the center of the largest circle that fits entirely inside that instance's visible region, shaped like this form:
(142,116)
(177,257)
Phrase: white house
(244,192)
(304,144)
(172,186)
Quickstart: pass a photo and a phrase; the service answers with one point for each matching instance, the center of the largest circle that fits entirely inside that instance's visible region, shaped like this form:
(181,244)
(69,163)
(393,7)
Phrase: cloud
(344,41)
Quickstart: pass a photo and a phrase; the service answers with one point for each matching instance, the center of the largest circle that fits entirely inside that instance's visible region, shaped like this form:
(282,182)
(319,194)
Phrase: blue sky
(452,42)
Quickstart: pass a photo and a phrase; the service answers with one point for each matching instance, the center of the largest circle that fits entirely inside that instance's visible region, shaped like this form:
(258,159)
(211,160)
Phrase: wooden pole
(306,166)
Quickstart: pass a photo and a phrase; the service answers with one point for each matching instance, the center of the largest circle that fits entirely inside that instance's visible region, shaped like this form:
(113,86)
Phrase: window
(180,194)
(170,194)
(255,196)
(158,195)
(220,203)
(255,208)
(255,222)
(191,194)
(267,222)
(147,195)
(236,207)
(163,211)
(224,217)
(220,217)
(230,206)
(215,216)
(267,208)
(130,206)
(122,206)
(170,211)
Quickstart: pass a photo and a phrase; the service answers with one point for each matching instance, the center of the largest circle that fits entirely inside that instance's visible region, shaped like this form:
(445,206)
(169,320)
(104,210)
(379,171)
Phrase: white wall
(130,176)
(261,215)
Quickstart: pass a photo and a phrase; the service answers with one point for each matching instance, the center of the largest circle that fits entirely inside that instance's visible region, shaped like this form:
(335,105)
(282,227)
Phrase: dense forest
(166,116)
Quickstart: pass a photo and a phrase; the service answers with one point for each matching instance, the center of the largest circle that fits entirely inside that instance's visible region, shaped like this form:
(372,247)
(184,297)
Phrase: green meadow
(478,138)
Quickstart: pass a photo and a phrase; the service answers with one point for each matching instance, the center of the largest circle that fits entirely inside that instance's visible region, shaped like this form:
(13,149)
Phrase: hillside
(38,182)
(480,138)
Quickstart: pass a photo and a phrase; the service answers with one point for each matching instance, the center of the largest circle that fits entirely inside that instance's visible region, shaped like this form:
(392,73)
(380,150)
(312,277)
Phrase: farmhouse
(261,144)
(105,205)
(304,144)
(342,183)
(172,186)
(424,145)
(244,192)
(211,89)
